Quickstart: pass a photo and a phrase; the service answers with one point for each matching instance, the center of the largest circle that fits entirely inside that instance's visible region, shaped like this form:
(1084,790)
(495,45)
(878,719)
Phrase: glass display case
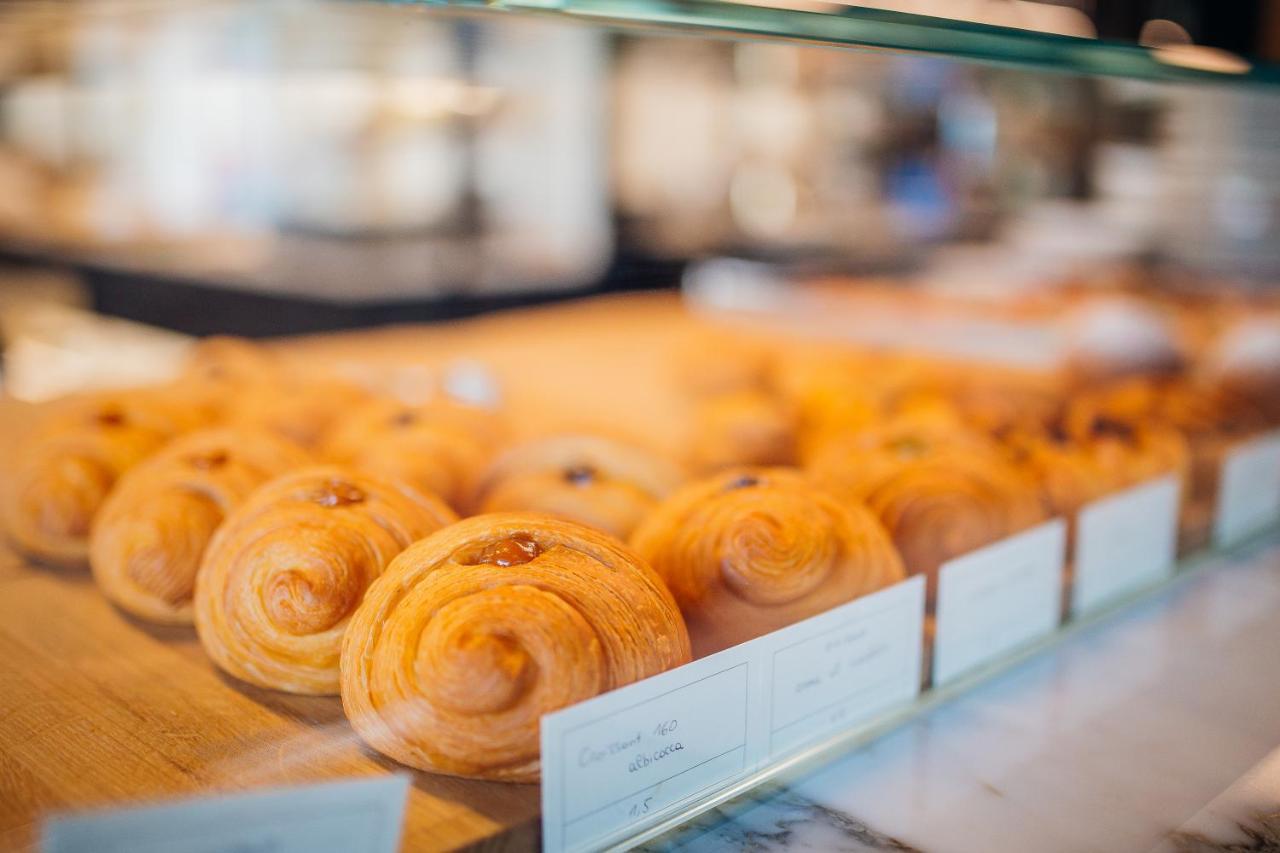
(595,425)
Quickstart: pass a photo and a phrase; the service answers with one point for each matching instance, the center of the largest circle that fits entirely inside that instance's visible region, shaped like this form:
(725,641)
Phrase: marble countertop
(1155,730)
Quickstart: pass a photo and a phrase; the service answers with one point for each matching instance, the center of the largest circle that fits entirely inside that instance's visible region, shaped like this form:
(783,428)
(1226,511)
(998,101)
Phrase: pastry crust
(474,633)
(66,466)
(939,492)
(152,532)
(755,549)
(599,481)
(750,428)
(438,448)
(285,572)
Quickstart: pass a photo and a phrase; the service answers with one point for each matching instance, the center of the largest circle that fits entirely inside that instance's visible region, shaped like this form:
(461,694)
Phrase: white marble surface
(1157,729)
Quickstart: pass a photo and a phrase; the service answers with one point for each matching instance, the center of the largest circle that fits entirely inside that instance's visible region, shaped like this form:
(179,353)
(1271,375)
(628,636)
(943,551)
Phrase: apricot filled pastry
(282,577)
(743,428)
(752,550)
(65,467)
(938,495)
(598,481)
(474,633)
(439,448)
(149,538)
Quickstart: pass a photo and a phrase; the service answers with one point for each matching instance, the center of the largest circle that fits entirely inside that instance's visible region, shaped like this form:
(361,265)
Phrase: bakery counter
(1158,729)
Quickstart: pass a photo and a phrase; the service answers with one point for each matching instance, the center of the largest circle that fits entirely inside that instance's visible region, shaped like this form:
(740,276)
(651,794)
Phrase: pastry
(598,481)
(474,633)
(64,468)
(751,550)
(438,448)
(939,493)
(301,408)
(743,428)
(149,537)
(288,567)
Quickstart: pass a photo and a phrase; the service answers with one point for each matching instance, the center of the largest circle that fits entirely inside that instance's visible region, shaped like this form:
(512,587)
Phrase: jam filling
(338,493)
(745,481)
(515,550)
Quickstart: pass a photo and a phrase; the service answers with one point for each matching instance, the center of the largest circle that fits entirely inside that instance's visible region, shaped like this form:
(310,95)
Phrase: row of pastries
(452,582)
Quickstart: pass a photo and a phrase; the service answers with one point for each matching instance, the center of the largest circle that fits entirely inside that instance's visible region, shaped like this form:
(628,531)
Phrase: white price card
(844,667)
(1248,490)
(361,816)
(624,758)
(997,598)
(1124,542)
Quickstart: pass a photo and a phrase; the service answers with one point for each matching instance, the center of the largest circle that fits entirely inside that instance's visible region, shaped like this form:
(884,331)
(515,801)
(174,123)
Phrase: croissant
(474,633)
(65,467)
(284,573)
(151,533)
(743,428)
(438,448)
(598,481)
(749,551)
(939,495)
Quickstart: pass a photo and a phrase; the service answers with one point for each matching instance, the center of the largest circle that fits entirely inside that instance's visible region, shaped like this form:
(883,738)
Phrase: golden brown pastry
(474,633)
(301,408)
(287,569)
(229,362)
(599,481)
(752,550)
(1080,460)
(64,468)
(939,493)
(1212,420)
(149,537)
(743,428)
(439,448)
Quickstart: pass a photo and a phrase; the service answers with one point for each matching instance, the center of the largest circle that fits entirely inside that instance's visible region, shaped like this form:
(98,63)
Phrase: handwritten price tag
(363,816)
(997,598)
(1124,542)
(630,755)
(1248,490)
(846,666)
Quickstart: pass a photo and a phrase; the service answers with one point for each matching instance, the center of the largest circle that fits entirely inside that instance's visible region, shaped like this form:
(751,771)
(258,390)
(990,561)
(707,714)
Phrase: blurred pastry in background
(743,428)
(604,482)
(64,467)
(440,447)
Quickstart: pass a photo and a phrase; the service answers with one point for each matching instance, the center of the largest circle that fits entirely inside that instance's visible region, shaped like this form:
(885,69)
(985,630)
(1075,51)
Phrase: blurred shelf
(836,24)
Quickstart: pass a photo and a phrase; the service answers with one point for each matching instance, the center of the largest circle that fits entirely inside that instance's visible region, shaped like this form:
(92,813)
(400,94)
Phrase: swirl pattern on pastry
(594,480)
(283,575)
(302,408)
(439,448)
(752,550)
(474,633)
(152,532)
(65,467)
(937,496)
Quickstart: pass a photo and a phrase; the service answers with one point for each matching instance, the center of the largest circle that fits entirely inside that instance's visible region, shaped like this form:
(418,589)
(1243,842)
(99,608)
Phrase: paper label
(363,816)
(843,668)
(1125,541)
(1248,490)
(627,756)
(997,598)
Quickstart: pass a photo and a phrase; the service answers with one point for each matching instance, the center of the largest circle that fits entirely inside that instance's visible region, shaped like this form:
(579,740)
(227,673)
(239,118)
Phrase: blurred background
(281,167)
